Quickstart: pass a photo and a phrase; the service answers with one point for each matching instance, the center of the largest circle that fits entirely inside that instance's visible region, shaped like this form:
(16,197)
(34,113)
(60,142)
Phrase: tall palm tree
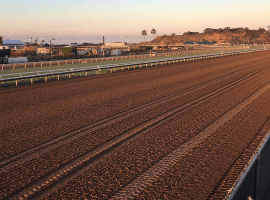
(153,31)
(144,33)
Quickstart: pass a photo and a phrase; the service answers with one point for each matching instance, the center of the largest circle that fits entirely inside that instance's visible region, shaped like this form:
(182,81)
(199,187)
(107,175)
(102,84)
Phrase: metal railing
(69,71)
(86,60)
(255,181)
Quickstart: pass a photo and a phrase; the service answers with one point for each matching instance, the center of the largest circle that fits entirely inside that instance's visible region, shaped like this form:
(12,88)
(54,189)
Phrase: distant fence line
(90,60)
(111,67)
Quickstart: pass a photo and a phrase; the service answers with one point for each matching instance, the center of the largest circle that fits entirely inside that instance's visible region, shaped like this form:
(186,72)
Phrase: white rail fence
(111,67)
(92,60)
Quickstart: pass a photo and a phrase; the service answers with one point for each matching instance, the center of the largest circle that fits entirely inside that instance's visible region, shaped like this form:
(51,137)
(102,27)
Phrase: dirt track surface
(169,132)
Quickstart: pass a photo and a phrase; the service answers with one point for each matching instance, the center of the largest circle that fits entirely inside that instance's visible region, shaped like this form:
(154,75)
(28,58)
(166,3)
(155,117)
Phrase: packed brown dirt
(181,100)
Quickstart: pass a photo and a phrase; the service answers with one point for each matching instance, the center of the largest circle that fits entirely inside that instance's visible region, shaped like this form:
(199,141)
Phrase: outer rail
(68,71)
(255,181)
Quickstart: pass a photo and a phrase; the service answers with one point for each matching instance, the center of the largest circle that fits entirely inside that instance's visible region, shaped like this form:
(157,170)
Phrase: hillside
(218,36)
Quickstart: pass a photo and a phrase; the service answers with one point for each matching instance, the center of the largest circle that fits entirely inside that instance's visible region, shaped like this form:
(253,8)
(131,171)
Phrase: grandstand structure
(122,46)
(13,43)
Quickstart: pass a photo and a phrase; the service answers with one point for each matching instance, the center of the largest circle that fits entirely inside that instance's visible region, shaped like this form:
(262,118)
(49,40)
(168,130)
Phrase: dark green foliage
(67,50)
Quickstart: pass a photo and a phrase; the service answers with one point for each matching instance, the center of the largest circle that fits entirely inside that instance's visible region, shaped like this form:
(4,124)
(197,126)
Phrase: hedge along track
(27,155)
(67,171)
(145,179)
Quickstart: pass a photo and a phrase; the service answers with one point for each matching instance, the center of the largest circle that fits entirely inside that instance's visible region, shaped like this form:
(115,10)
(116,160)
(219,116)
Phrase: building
(123,46)
(13,43)
(43,50)
(75,44)
(116,53)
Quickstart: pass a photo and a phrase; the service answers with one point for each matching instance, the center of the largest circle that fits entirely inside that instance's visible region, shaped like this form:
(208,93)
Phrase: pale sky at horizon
(88,20)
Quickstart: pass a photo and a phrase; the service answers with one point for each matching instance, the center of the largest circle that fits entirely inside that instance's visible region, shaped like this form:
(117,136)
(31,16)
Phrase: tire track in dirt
(116,143)
(62,140)
(144,180)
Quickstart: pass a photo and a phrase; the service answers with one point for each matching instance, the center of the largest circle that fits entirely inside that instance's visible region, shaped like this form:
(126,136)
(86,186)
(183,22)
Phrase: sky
(123,20)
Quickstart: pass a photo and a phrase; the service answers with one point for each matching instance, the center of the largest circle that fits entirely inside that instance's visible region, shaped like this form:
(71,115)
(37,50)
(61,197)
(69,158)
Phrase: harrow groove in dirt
(186,116)
(110,146)
(131,190)
(234,173)
(43,148)
(102,123)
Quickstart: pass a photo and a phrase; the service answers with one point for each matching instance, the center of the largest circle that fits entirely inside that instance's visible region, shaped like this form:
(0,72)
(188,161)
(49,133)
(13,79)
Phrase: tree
(153,31)
(208,31)
(267,35)
(74,50)
(261,30)
(226,31)
(246,36)
(172,38)
(219,30)
(144,33)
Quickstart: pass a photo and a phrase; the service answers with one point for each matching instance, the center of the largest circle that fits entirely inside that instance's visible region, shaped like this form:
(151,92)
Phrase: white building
(43,50)
(116,53)
(13,43)
(75,44)
(123,46)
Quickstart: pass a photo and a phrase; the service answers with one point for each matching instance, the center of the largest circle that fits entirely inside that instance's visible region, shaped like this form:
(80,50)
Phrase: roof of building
(86,51)
(6,42)
(189,42)
(205,42)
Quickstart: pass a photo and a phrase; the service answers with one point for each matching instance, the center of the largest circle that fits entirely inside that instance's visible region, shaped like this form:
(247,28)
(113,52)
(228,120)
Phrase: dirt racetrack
(180,131)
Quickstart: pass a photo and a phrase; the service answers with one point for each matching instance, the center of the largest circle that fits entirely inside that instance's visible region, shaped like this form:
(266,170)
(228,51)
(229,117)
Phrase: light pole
(121,39)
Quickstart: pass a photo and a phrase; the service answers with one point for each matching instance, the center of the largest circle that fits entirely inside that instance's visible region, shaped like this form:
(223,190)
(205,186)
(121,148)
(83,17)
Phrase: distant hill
(219,36)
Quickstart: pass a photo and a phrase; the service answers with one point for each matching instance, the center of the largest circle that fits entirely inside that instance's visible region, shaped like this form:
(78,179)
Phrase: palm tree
(153,31)
(144,33)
